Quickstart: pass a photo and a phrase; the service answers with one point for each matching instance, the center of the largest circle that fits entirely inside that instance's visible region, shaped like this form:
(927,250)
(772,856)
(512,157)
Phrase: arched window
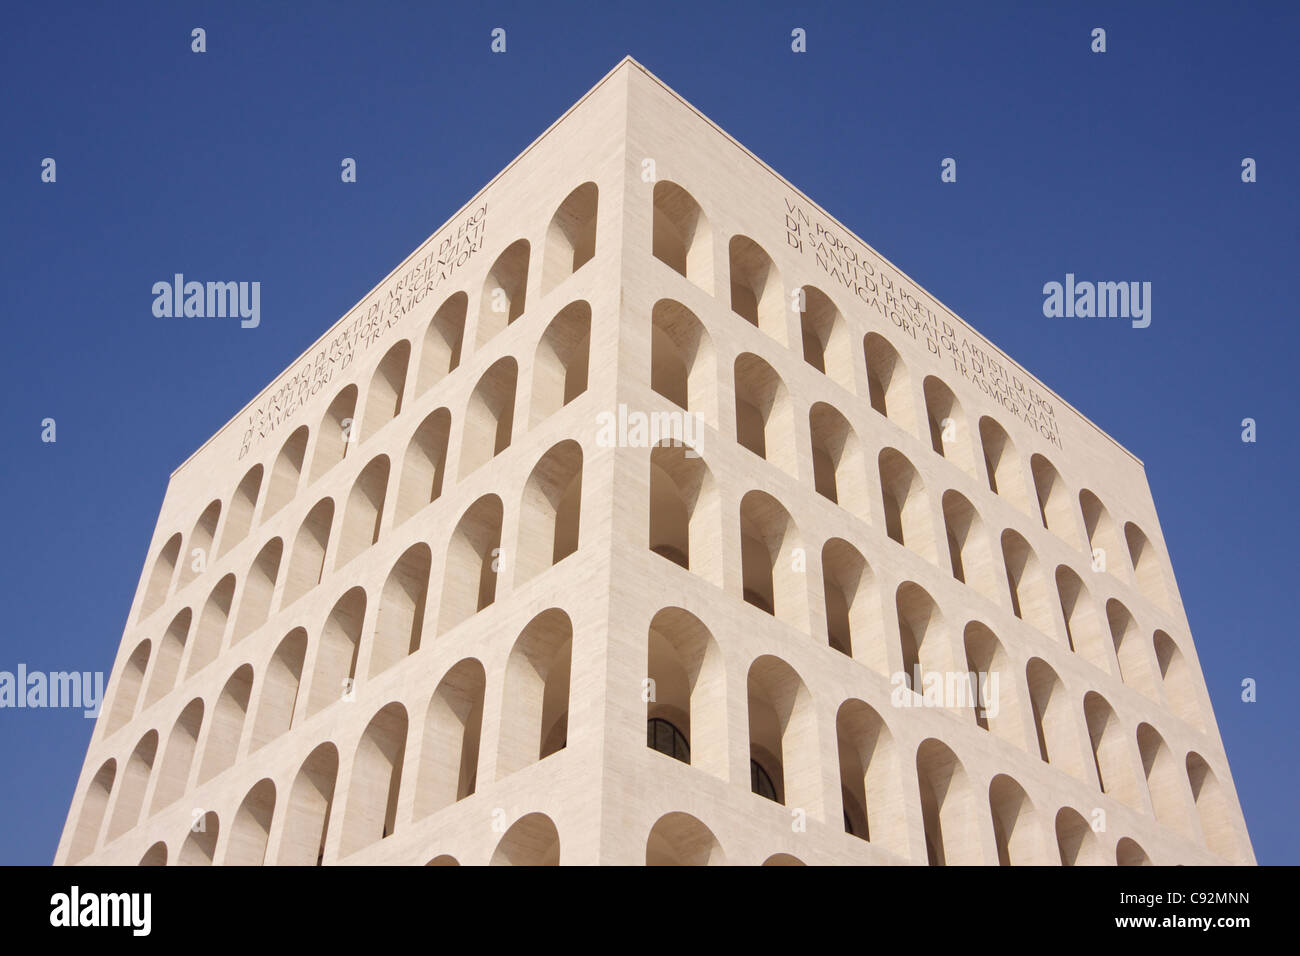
(1082,625)
(307,816)
(1111,751)
(286,473)
(469,579)
(685,667)
(168,663)
(839,469)
(307,563)
(91,818)
(946,807)
(239,519)
(969,554)
(1102,536)
(401,609)
(200,845)
(682,237)
(888,387)
(212,626)
(683,367)
(679,839)
(227,727)
(252,827)
(489,417)
(906,505)
(535,719)
(129,682)
(925,642)
(531,841)
(768,537)
(135,781)
(949,433)
(156,855)
(371,813)
(1015,824)
(571,236)
(826,345)
(424,465)
(365,511)
(994,695)
(1180,688)
(259,588)
(160,579)
(1128,853)
(1146,567)
(1002,465)
(1168,788)
(783,738)
(663,736)
(852,604)
(279,693)
(1137,665)
(440,354)
(1076,840)
(551,510)
(1054,719)
(764,415)
(560,368)
(502,300)
(756,293)
(196,557)
(450,748)
(1054,506)
(178,758)
(1213,809)
(336,432)
(685,514)
(1030,598)
(336,656)
(870,780)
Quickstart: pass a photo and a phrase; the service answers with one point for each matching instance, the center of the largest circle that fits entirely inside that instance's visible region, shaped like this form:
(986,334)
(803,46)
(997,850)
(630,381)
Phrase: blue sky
(1121,166)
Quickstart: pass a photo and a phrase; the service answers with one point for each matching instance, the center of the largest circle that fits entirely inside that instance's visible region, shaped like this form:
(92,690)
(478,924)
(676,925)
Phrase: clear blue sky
(225,165)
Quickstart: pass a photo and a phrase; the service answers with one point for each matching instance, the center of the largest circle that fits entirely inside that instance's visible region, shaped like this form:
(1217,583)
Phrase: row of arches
(687,720)
(548,532)
(532,724)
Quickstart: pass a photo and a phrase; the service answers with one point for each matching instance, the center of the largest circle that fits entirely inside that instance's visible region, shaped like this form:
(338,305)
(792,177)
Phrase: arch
(949,433)
(167,664)
(1213,810)
(239,518)
(969,554)
(443,859)
(281,683)
(994,692)
(871,783)
(1137,665)
(688,676)
(90,820)
(307,562)
(1076,840)
(683,365)
(448,769)
(570,236)
(129,682)
(1147,568)
(1031,599)
(852,604)
(946,807)
(371,813)
(440,354)
(1180,687)
(887,382)
(212,626)
(756,293)
(1002,465)
(783,859)
(469,577)
(1168,788)
(679,839)
(504,290)
(131,790)
(826,343)
(783,738)
(424,465)
(550,512)
(1054,507)
(489,416)
(1102,536)
(535,707)
(252,826)
(906,505)
(286,472)
(307,816)
(1129,853)
(685,511)
(1082,625)
(335,433)
(1054,727)
(768,539)
(1112,758)
(531,841)
(1016,826)
(178,758)
(336,656)
(560,366)
(259,588)
(764,413)
(227,724)
(401,609)
(160,578)
(200,846)
(201,539)
(156,855)
(681,234)
(839,467)
(365,511)
(923,637)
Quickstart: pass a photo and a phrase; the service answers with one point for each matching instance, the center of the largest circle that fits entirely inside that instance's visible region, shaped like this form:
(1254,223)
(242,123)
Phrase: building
(466,598)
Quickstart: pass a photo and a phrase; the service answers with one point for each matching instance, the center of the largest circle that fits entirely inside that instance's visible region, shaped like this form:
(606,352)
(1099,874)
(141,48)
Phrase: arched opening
(1082,626)
(1137,665)
(489,416)
(503,291)
(887,382)
(756,293)
(93,806)
(259,588)
(178,758)
(871,784)
(1168,787)
(135,780)
(1180,688)
(365,511)
(1054,501)
(307,817)
(449,750)
(278,697)
(764,415)
(168,663)
(531,841)
(783,740)
(906,505)
(946,807)
(160,579)
(683,367)
(852,604)
(969,554)
(156,855)
(469,578)
(571,236)
(376,780)
(685,513)
(212,625)
(1212,808)
(994,692)
(227,725)
(826,343)
(239,519)
(307,564)
(1015,824)
(949,434)
(535,709)
(783,859)
(336,657)
(550,512)
(679,839)
(926,645)
(335,432)
(1111,754)
(286,472)
(252,827)
(200,846)
(1076,841)
(1128,853)
(1002,465)
(768,543)
(424,465)
(1102,536)
(129,682)
(401,609)
(839,468)
(443,859)
(195,561)
(688,692)
(1146,567)
(682,237)
(1054,727)
(1031,600)
(560,368)
(440,354)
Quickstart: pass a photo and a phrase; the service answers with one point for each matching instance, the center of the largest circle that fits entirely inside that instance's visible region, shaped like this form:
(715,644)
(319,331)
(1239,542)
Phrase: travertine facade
(443,568)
